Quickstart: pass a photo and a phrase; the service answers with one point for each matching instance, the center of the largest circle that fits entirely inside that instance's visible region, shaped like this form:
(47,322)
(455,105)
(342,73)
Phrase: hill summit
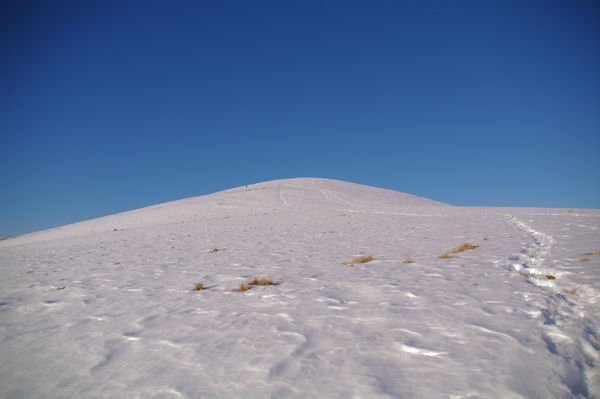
(285,194)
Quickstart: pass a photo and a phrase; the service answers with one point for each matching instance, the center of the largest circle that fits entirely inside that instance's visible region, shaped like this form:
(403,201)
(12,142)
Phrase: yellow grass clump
(550,277)
(198,287)
(262,281)
(466,246)
(216,250)
(407,261)
(584,260)
(363,259)
(243,287)
(444,256)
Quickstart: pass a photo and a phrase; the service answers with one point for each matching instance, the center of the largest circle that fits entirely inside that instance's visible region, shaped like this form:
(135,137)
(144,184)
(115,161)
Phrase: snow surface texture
(107,308)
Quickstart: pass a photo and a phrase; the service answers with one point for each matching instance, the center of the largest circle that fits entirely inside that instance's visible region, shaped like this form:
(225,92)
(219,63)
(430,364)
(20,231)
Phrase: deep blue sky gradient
(107,106)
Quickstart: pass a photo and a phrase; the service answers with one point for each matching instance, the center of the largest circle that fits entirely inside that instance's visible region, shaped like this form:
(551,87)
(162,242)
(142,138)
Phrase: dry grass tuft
(525,274)
(466,246)
(584,260)
(444,256)
(363,259)
(550,277)
(243,287)
(198,287)
(485,238)
(216,250)
(263,281)
(571,291)
(407,261)
(29,271)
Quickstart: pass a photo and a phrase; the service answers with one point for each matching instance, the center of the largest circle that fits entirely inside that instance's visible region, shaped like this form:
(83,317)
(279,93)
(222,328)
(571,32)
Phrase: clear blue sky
(108,106)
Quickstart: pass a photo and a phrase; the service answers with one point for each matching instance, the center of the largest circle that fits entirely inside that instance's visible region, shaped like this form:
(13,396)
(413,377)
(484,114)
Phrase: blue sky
(107,106)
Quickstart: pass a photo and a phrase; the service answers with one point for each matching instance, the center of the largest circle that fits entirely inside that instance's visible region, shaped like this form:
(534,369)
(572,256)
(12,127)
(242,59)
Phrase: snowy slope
(291,193)
(106,308)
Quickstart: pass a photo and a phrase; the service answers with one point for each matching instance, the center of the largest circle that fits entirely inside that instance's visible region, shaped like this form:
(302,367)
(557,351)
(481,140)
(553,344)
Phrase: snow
(106,308)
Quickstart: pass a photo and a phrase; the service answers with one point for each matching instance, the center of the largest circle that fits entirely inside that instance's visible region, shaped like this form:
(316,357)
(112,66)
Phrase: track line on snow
(558,312)
(281,196)
(533,255)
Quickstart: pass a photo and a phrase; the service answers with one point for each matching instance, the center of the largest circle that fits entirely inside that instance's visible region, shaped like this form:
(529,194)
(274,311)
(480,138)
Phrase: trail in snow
(533,256)
(566,316)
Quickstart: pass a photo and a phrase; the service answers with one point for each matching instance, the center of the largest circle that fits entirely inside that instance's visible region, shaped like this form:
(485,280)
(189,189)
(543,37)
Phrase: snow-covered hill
(294,194)
(107,308)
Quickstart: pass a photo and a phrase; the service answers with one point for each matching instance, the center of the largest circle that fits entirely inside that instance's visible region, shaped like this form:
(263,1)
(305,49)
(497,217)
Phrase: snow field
(112,313)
